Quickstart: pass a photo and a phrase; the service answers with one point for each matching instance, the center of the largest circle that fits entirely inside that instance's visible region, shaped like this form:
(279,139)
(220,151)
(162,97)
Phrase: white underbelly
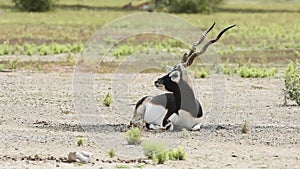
(154,114)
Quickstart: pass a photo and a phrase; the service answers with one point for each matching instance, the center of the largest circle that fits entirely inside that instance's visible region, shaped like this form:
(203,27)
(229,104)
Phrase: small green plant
(112,153)
(80,141)
(245,127)
(108,100)
(133,136)
(178,154)
(292,82)
(184,133)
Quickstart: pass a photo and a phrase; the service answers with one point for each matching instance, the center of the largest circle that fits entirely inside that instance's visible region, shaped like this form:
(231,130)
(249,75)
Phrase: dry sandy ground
(39,125)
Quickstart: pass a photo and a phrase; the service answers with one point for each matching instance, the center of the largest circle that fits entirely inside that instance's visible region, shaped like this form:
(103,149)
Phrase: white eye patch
(175,76)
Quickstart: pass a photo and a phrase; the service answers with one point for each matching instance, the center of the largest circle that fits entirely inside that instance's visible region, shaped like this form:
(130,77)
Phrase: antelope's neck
(185,97)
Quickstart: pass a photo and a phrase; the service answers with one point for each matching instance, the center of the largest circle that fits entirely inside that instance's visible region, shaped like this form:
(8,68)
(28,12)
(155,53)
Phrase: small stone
(233,155)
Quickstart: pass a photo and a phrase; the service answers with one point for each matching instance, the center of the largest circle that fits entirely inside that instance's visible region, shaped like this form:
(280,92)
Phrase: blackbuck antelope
(180,108)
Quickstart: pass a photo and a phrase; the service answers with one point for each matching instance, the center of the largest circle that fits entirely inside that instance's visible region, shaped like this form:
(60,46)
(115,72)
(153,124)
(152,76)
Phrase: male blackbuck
(179,108)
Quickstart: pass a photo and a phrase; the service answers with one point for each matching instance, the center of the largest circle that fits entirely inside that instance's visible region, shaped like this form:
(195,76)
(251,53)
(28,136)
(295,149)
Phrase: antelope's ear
(175,76)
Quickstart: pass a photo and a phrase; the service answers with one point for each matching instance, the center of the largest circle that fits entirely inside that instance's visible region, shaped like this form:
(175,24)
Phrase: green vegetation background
(266,30)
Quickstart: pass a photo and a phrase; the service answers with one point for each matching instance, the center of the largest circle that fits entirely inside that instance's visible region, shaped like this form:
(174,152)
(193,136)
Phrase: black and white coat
(176,110)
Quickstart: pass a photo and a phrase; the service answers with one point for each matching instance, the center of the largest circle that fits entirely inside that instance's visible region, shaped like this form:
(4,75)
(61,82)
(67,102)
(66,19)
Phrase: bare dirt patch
(39,125)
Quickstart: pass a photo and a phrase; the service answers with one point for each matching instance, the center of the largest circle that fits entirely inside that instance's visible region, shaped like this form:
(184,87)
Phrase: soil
(40,124)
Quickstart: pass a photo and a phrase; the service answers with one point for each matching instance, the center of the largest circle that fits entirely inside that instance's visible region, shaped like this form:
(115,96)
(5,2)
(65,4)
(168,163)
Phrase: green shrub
(151,149)
(133,136)
(158,152)
(34,5)
(161,158)
(192,6)
(292,82)
(155,151)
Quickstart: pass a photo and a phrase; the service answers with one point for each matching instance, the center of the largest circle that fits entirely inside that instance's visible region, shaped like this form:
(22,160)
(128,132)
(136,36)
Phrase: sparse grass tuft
(108,100)
(133,136)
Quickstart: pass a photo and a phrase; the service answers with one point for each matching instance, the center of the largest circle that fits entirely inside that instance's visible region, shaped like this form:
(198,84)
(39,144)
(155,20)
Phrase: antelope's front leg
(167,125)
